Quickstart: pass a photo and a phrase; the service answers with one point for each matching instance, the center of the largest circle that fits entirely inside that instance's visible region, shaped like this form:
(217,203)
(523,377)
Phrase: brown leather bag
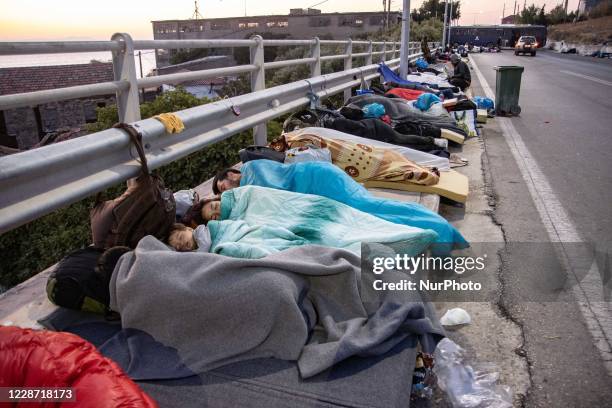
(146,207)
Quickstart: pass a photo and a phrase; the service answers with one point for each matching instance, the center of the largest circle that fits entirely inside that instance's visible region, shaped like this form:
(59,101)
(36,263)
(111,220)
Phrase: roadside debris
(468,386)
(456,316)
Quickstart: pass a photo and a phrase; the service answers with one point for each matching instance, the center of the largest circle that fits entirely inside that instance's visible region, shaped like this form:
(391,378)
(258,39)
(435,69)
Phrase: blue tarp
(327,180)
(390,76)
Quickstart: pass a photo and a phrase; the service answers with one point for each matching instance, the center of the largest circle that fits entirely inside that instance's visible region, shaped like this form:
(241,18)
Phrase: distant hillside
(592,31)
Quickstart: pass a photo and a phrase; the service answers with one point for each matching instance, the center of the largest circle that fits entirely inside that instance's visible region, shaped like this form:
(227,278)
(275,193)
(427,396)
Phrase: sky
(38,20)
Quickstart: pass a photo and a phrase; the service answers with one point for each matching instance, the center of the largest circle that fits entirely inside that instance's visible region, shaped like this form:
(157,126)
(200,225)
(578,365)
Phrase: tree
(434,9)
(556,15)
(430,30)
(542,20)
(529,15)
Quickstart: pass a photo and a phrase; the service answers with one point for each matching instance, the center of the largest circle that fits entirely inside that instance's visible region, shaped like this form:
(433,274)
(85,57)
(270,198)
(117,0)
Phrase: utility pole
(450,23)
(141,76)
(504,11)
(389,11)
(445,23)
(514,8)
(385,15)
(405,49)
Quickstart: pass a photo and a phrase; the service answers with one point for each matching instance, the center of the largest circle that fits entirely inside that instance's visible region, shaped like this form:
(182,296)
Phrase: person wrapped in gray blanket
(309,304)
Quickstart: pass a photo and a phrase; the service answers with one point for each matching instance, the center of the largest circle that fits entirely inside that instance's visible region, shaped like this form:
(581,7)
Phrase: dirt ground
(594,31)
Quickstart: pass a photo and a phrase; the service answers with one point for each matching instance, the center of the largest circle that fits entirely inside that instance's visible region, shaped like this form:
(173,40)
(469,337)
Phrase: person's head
(226,180)
(181,238)
(455,59)
(211,209)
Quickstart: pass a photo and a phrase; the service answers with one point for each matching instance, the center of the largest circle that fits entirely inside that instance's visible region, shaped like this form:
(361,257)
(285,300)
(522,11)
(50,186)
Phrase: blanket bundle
(257,221)
(326,180)
(304,304)
(363,162)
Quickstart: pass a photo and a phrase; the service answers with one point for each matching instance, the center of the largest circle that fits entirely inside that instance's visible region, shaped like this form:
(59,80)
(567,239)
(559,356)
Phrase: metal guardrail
(36,182)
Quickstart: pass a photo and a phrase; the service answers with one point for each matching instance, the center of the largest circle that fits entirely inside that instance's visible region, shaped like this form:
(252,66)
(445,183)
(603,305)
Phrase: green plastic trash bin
(507,90)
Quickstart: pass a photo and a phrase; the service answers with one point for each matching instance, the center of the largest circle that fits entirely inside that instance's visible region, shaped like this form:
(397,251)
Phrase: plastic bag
(307,154)
(455,316)
(468,386)
(484,103)
(421,63)
(184,200)
(373,110)
(425,101)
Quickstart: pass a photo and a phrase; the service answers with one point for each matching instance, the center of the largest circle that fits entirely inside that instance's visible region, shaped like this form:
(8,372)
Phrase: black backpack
(80,280)
(260,152)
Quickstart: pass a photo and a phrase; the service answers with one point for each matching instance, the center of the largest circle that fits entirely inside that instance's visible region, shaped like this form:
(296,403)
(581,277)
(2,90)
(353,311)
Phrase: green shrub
(33,247)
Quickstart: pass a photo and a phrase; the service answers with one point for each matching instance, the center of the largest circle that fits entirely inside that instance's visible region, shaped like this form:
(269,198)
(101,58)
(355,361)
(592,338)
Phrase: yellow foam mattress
(452,185)
(453,136)
(481,116)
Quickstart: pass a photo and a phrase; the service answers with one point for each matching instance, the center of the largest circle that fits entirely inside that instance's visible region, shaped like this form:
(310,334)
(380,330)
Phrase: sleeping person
(327,180)
(253,222)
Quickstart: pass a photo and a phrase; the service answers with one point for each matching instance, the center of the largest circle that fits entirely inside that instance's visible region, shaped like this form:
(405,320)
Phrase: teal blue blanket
(257,221)
(327,180)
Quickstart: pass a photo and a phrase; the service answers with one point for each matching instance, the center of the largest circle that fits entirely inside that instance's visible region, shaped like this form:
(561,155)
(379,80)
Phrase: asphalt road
(565,125)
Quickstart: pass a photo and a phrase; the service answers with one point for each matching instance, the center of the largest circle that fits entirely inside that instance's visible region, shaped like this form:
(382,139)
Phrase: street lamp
(405,49)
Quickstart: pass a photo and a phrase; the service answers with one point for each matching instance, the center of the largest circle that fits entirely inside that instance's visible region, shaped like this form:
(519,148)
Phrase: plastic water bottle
(465,386)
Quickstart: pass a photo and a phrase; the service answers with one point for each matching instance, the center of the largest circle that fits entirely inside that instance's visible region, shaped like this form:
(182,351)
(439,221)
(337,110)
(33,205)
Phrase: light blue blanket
(327,180)
(257,221)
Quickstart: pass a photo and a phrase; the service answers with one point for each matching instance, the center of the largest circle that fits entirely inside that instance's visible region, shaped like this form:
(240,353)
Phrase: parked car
(526,44)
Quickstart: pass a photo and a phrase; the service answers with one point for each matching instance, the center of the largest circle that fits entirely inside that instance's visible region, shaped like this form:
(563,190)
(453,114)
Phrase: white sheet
(420,158)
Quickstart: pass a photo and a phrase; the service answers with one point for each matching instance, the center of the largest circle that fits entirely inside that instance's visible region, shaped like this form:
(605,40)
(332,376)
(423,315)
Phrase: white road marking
(590,78)
(560,229)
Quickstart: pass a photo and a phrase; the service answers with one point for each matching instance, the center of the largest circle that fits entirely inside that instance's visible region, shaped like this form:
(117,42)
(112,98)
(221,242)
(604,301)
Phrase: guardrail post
(124,69)
(315,52)
(348,64)
(258,82)
(394,53)
(369,60)
(383,57)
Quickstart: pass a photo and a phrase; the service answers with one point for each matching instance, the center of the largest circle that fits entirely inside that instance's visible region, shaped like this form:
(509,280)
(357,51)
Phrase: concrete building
(23,128)
(298,24)
(510,19)
(202,88)
(586,6)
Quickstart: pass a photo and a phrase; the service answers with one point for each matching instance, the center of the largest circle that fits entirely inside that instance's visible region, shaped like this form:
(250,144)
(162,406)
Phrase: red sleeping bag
(408,94)
(30,358)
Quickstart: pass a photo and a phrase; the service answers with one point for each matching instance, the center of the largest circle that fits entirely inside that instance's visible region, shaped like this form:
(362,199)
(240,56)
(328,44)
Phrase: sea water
(36,60)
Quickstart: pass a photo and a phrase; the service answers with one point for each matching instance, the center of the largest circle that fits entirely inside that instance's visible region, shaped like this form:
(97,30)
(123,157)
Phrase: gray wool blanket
(301,304)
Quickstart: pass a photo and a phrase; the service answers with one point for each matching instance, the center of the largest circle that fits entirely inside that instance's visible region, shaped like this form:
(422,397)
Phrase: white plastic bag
(454,317)
(307,154)
(184,200)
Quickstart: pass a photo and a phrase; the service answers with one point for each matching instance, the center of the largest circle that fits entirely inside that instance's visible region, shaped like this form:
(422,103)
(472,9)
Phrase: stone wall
(22,123)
